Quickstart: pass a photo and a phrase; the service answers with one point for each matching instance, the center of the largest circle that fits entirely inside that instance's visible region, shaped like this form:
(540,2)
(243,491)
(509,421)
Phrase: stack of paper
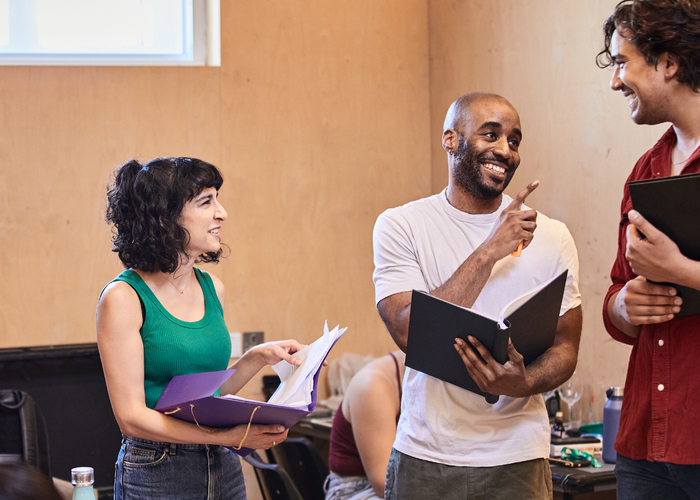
(297,382)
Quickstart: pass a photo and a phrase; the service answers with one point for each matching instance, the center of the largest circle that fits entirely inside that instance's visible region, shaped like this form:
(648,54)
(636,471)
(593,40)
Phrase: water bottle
(611,422)
(83,478)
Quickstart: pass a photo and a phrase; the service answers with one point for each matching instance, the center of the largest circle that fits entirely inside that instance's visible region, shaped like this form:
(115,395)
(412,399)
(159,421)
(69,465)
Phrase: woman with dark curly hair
(164,317)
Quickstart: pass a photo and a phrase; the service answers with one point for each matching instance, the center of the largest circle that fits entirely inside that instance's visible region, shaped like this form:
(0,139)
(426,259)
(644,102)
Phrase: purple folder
(189,398)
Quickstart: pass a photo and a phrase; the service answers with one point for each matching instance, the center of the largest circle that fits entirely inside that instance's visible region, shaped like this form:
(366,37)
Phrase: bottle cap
(618,391)
(82,476)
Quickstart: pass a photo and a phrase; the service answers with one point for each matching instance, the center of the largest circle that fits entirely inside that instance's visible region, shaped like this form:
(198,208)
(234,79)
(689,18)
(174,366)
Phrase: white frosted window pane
(131,27)
(108,26)
(4,23)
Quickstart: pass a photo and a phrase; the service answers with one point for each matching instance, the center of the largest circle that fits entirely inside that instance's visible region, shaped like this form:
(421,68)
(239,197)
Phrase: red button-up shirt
(661,405)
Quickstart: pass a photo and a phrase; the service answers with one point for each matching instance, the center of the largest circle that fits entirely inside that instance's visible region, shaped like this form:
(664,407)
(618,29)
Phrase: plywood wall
(319,120)
(578,138)
(322,115)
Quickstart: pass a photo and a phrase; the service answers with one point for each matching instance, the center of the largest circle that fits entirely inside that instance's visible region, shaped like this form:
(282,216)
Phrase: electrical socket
(251,339)
(236,345)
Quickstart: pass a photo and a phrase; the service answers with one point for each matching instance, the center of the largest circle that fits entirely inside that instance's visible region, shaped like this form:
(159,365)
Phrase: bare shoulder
(118,293)
(119,304)
(218,286)
(376,379)
(373,391)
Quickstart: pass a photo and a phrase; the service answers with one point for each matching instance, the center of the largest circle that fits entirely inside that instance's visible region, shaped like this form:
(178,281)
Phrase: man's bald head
(459,111)
(482,136)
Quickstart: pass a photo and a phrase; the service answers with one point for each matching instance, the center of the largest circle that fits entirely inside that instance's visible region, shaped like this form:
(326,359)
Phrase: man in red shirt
(654,46)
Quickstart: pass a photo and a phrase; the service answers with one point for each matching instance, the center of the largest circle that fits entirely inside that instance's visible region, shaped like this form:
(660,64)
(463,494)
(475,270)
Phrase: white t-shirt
(419,246)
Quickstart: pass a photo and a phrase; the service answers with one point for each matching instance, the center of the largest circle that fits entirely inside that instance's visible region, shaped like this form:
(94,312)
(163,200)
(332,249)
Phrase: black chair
(275,483)
(23,434)
(301,460)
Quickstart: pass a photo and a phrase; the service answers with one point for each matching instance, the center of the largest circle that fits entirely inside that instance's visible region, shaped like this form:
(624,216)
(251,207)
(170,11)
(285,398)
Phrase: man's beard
(468,175)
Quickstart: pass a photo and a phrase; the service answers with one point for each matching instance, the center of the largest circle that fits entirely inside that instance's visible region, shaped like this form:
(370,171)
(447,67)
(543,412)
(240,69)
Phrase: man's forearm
(557,365)
(551,369)
(465,285)
(395,311)
(462,288)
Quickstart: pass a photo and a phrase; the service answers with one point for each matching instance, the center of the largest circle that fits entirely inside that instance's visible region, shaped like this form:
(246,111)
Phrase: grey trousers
(409,478)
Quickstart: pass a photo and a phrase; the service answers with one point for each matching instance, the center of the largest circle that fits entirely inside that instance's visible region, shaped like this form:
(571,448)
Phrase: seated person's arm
(372,406)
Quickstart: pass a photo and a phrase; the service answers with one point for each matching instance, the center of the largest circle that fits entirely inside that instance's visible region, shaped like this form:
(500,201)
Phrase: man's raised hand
(514,226)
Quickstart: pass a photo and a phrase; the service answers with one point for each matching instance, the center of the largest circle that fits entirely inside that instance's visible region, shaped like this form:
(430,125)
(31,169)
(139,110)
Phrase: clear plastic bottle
(611,423)
(83,478)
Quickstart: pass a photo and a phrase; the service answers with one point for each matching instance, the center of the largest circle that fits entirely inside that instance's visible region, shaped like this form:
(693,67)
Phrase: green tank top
(174,347)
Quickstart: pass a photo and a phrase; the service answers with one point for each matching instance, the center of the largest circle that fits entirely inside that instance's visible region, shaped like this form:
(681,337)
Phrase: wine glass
(570,392)
(547,396)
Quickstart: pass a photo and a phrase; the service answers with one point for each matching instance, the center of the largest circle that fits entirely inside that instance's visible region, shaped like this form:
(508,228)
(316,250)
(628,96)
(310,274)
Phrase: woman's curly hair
(144,203)
(656,27)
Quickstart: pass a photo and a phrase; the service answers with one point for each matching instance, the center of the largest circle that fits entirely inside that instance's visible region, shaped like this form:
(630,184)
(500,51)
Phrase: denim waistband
(171,448)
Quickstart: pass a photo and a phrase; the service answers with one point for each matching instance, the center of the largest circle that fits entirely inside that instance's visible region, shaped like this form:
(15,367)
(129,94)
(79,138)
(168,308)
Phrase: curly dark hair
(144,203)
(19,481)
(656,27)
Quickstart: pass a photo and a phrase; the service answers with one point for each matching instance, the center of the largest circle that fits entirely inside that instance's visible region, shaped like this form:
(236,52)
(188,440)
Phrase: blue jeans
(644,480)
(152,470)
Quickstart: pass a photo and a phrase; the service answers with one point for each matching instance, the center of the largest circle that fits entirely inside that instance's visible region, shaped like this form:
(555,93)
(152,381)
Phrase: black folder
(435,324)
(672,205)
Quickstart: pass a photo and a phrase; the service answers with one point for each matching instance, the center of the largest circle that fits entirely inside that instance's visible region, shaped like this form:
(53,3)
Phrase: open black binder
(672,205)
(530,321)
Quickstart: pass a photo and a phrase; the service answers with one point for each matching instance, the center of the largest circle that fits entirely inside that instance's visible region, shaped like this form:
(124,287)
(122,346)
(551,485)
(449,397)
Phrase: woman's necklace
(176,288)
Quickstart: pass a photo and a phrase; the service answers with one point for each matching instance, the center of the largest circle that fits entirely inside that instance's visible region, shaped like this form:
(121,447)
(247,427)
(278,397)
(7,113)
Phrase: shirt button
(661,387)
(661,342)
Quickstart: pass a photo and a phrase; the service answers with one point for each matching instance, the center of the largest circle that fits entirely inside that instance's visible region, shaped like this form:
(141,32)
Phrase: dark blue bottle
(611,423)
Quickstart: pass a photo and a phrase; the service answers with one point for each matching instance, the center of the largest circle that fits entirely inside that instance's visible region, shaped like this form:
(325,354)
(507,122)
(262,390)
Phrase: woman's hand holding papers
(258,437)
(271,353)
(258,357)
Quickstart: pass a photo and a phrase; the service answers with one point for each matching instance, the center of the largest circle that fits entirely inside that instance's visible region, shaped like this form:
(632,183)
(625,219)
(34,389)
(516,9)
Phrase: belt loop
(172,448)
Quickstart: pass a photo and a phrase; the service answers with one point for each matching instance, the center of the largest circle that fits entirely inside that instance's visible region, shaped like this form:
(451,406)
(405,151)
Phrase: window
(109,32)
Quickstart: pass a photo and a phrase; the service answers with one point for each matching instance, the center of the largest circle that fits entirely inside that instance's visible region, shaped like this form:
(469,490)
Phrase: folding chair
(301,460)
(274,482)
